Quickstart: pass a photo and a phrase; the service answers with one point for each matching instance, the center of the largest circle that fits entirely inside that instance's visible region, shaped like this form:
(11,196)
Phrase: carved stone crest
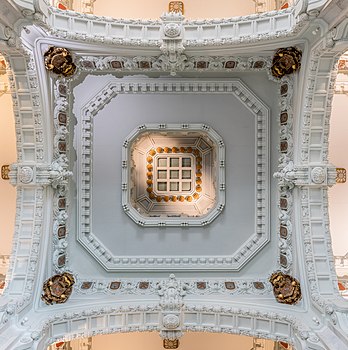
(172,30)
(59,61)
(286,61)
(286,288)
(58,288)
(171,321)
(25,174)
(318,175)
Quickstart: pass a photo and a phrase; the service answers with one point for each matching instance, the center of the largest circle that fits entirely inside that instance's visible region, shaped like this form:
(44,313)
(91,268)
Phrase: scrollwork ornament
(58,288)
(318,175)
(286,288)
(286,61)
(286,175)
(59,61)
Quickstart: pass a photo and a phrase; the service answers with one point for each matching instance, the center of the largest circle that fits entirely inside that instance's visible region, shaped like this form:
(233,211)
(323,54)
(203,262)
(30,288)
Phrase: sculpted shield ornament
(58,288)
(59,61)
(286,288)
(286,61)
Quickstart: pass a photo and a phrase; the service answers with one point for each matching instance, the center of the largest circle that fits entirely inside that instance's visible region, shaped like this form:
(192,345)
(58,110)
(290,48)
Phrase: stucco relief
(257,239)
(174,191)
(309,199)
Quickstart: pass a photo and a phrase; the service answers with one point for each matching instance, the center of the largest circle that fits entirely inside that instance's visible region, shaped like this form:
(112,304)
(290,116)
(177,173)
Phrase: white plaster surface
(230,119)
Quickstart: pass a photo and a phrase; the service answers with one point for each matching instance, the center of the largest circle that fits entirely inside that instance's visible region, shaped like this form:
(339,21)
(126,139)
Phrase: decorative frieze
(260,287)
(183,63)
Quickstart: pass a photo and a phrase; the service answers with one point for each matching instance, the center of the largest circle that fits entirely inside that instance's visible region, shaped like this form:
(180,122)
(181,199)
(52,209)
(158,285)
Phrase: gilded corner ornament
(170,343)
(5,171)
(286,61)
(286,288)
(58,288)
(59,61)
(176,6)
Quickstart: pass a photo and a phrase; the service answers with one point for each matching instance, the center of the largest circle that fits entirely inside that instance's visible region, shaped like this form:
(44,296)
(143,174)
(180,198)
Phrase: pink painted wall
(338,155)
(190,341)
(7,156)
(153,9)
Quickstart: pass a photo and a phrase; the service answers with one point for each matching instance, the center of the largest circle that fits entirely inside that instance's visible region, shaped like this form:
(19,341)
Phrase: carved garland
(185,63)
(60,181)
(284,175)
(194,287)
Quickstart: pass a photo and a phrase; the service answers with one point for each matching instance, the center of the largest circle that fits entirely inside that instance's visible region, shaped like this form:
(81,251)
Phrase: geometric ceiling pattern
(111,112)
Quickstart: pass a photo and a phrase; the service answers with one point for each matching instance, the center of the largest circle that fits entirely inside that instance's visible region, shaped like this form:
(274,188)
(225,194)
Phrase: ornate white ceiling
(74,183)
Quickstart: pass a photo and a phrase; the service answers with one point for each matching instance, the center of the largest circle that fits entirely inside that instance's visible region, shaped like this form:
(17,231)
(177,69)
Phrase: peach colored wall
(338,194)
(153,9)
(7,156)
(190,341)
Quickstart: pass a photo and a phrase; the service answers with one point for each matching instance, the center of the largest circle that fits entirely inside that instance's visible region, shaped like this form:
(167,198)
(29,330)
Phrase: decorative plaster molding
(144,286)
(181,62)
(208,33)
(214,199)
(31,196)
(59,175)
(172,37)
(286,175)
(314,155)
(280,326)
(85,152)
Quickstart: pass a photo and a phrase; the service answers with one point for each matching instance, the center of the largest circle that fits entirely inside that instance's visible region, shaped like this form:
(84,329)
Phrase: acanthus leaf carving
(172,42)
(171,293)
(58,173)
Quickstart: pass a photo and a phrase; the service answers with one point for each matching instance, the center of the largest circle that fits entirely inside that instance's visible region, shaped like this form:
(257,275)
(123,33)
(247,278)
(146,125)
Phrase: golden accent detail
(5,170)
(286,61)
(341,175)
(176,6)
(170,343)
(59,61)
(58,288)
(286,288)
(149,159)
